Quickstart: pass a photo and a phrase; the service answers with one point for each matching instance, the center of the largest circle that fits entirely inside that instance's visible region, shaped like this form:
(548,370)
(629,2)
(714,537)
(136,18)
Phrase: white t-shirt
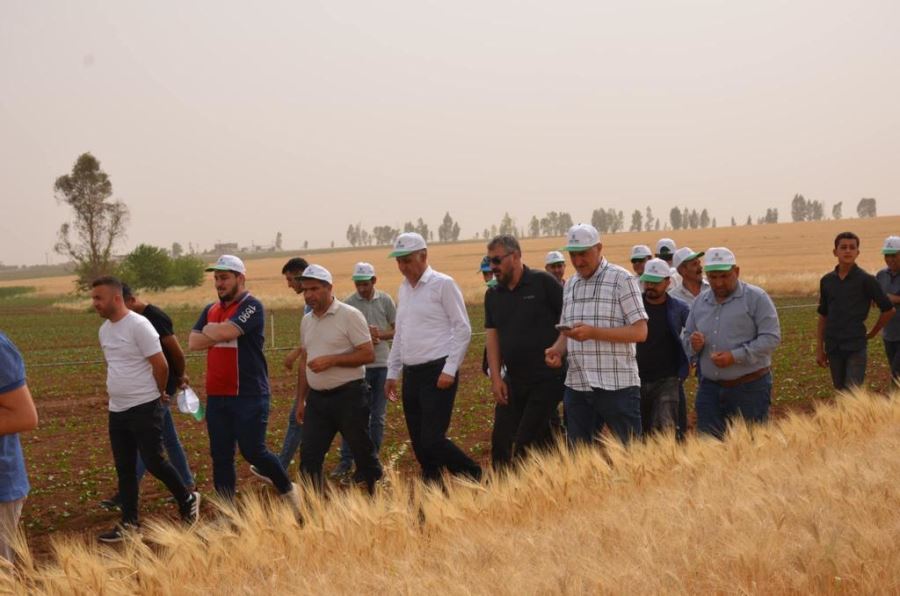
(127,344)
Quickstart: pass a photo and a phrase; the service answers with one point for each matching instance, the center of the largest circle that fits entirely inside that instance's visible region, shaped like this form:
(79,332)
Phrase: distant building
(225,248)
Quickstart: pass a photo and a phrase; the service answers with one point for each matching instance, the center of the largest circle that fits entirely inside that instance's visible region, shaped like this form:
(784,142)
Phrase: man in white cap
(231,332)
(430,341)
(662,363)
(603,317)
(640,254)
(733,329)
(665,250)
(381,315)
(555,265)
(331,380)
(689,266)
(889,279)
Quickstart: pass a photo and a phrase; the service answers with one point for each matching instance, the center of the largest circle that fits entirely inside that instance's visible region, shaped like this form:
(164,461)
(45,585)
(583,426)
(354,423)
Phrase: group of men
(613,347)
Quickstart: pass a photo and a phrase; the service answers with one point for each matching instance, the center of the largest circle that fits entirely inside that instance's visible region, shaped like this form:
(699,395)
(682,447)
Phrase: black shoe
(114,503)
(190,509)
(118,533)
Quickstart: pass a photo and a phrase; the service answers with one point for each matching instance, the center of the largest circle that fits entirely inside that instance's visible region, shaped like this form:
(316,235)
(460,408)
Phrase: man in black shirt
(662,363)
(521,314)
(845,296)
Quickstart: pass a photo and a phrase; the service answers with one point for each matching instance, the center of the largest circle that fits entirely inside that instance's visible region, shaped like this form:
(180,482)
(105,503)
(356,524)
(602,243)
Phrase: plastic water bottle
(189,403)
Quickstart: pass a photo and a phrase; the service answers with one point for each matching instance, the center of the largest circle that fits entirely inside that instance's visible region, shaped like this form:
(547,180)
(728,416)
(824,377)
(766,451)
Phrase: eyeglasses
(498,260)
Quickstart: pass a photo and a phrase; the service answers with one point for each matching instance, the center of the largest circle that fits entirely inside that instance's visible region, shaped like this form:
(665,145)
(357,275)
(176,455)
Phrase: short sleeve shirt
(127,344)
(163,326)
(338,331)
(13,478)
(380,312)
(237,367)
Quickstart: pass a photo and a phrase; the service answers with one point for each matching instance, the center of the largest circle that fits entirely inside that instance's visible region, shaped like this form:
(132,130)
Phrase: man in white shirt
(689,266)
(136,379)
(430,342)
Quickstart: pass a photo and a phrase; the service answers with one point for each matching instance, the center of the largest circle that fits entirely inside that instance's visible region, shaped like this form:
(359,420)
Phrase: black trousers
(529,419)
(138,430)
(344,410)
(428,410)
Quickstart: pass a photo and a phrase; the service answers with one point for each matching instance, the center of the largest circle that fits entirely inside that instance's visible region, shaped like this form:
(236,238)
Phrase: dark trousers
(848,369)
(344,410)
(138,430)
(587,412)
(892,350)
(660,404)
(529,419)
(241,421)
(427,410)
(717,405)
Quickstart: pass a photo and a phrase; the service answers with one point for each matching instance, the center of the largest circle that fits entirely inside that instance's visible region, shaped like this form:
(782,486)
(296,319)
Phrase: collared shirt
(683,294)
(432,322)
(338,331)
(845,305)
(890,283)
(380,312)
(13,478)
(746,324)
(610,298)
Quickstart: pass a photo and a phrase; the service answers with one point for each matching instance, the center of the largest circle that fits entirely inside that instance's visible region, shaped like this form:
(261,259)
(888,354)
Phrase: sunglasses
(498,260)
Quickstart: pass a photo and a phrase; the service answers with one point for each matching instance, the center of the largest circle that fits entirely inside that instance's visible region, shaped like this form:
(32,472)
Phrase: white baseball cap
(581,237)
(640,251)
(317,272)
(656,270)
(719,258)
(891,245)
(683,255)
(363,272)
(406,243)
(665,243)
(228,263)
(554,256)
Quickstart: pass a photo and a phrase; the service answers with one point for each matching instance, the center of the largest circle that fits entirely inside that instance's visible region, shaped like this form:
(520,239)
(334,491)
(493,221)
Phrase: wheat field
(808,504)
(786,259)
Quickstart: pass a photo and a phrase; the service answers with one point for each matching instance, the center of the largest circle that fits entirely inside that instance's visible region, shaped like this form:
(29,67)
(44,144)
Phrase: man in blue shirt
(889,280)
(17,414)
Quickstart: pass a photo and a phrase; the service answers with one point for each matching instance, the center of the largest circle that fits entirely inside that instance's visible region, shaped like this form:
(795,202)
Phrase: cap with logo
(719,258)
(655,271)
(407,243)
(317,272)
(640,251)
(485,266)
(581,237)
(228,263)
(685,254)
(363,272)
(665,246)
(891,245)
(554,256)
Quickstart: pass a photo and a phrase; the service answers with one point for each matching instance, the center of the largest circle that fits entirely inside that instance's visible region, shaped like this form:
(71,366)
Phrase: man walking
(665,250)
(889,280)
(733,329)
(555,265)
(230,331)
(689,266)
(845,296)
(520,317)
(136,380)
(430,342)
(381,315)
(640,254)
(603,317)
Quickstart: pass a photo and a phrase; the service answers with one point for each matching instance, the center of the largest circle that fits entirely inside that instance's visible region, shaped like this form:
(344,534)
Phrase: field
(68,457)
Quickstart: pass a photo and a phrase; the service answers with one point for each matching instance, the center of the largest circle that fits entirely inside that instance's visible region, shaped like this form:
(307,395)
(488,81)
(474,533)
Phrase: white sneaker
(255,471)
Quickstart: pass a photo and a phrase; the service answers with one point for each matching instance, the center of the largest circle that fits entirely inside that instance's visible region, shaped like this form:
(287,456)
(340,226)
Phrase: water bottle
(189,403)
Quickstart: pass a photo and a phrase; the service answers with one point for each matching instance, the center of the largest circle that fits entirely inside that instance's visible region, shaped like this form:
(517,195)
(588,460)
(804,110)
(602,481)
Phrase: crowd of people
(614,347)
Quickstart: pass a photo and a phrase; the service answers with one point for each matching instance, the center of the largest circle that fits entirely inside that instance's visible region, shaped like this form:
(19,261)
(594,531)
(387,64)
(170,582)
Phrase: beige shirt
(338,331)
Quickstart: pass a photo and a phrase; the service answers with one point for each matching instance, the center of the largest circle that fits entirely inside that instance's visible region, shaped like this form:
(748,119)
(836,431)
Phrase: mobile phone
(561,327)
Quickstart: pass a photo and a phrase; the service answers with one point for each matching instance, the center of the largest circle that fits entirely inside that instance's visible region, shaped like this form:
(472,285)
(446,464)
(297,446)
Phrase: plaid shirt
(609,298)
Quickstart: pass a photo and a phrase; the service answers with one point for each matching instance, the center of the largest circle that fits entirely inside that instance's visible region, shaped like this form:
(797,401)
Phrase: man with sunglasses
(431,336)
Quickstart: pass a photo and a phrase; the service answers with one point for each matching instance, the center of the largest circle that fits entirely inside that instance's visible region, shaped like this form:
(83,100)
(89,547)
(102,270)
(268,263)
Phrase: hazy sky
(230,121)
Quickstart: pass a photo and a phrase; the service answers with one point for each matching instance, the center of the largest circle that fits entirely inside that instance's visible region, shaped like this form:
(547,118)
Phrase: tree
(637,221)
(714,222)
(534,227)
(454,233)
(305,244)
(816,211)
(749,221)
(867,208)
(649,220)
(187,271)
(675,218)
(836,210)
(704,219)
(799,208)
(734,223)
(146,267)
(278,241)
(99,223)
(408,227)
(694,219)
(507,226)
(177,251)
(352,235)
(616,221)
(422,229)
(600,219)
(445,230)
(384,234)
(563,223)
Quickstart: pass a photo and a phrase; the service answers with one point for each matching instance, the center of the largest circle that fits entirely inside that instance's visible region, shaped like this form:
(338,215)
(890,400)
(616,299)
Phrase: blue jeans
(174,451)
(241,421)
(717,405)
(292,438)
(588,411)
(848,369)
(892,350)
(375,378)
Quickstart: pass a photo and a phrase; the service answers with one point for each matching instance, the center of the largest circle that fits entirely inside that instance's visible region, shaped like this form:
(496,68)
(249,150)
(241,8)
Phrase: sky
(232,121)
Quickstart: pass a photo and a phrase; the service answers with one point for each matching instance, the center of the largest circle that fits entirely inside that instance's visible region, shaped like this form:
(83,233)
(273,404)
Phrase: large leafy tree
(98,221)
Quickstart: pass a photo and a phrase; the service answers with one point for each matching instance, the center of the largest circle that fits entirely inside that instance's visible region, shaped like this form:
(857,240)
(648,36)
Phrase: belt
(429,364)
(339,388)
(748,378)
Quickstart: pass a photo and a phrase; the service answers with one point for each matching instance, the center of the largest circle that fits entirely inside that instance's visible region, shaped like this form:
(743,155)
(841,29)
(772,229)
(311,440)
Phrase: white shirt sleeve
(395,364)
(455,307)
(146,338)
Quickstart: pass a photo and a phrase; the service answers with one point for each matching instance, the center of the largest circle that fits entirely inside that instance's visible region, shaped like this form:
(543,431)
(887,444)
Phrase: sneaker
(292,498)
(118,533)
(190,510)
(343,469)
(255,471)
(114,503)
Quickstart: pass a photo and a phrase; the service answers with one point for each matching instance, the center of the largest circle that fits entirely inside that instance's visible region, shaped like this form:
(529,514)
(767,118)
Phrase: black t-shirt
(525,319)
(845,304)
(657,356)
(163,325)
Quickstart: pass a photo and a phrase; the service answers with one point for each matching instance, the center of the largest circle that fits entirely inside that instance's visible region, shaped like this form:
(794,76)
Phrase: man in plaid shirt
(603,317)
